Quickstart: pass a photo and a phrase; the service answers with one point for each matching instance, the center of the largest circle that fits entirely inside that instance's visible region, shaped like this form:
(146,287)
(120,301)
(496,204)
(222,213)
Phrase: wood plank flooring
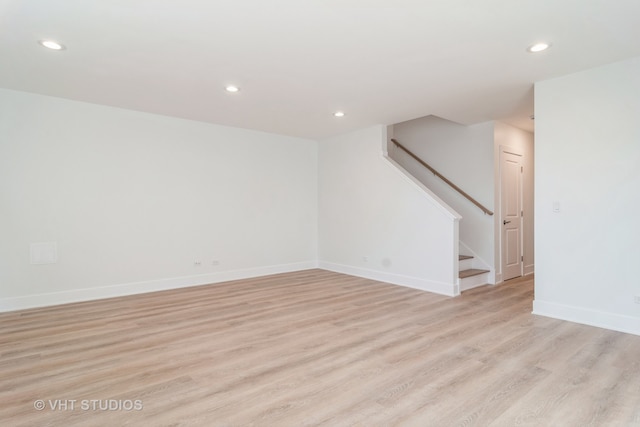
(314,348)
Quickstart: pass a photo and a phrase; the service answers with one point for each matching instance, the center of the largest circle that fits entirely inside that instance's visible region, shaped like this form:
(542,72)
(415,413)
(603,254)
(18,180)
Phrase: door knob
(505,222)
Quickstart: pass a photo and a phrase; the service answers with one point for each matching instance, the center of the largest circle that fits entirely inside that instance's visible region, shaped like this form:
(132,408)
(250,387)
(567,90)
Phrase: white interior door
(511,213)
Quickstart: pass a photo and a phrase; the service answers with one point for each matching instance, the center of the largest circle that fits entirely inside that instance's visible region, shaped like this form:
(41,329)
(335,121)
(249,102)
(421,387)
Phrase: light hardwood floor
(315,348)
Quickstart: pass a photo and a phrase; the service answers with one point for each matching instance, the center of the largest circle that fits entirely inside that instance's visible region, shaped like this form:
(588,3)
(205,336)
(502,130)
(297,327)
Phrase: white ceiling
(297,61)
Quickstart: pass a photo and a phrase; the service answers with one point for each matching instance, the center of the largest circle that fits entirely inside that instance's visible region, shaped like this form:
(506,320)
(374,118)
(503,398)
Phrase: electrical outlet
(197,263)
(365,258)
(215,262)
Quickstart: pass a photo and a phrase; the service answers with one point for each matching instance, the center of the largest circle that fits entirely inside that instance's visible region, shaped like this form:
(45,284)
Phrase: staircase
(469,277)
(471,270)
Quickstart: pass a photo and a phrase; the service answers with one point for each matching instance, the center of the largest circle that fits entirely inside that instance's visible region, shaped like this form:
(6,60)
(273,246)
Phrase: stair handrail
(442,177)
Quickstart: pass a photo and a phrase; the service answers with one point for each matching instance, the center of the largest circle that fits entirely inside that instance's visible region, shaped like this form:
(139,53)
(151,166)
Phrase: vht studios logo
(88,405)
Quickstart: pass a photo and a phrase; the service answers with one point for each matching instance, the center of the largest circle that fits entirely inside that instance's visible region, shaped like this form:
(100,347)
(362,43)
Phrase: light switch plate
(44,253)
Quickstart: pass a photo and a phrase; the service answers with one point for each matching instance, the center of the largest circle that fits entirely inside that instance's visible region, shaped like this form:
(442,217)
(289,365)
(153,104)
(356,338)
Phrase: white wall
(133,199)
(463,154)
(376,222)
(588,160)
(521,142)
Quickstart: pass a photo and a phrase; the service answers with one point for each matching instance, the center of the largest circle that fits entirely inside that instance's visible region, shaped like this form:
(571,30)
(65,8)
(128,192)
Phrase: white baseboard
(442,288)
(528,270)
(497,279)
(585,316)
(88,294)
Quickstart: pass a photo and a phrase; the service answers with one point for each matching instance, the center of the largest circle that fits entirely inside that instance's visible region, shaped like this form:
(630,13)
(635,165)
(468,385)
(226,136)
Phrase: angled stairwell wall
(377,222)
(465,155)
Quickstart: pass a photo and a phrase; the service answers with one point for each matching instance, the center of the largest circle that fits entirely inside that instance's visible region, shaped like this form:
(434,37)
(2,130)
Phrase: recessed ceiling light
(338,114)
(538,47)
(51,44)
(232,89)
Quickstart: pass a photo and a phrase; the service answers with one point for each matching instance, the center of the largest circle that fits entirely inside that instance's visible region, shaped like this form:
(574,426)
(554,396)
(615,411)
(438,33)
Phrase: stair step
(471,272)
(463,257)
